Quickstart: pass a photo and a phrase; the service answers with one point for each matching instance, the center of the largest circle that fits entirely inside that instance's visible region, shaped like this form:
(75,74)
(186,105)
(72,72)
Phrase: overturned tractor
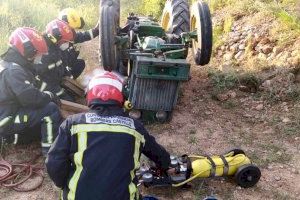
(153,56)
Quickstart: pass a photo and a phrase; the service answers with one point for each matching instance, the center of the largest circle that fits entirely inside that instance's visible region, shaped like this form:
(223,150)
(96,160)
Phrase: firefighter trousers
(30,124)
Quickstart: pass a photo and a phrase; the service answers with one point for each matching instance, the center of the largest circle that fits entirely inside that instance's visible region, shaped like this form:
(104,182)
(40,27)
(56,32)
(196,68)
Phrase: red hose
(26,171)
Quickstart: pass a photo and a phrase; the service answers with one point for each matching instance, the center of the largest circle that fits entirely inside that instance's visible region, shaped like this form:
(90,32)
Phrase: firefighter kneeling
(96,154)
(24,109)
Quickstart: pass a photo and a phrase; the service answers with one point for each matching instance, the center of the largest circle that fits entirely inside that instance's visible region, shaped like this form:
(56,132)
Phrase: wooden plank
(70,108)
(73,87)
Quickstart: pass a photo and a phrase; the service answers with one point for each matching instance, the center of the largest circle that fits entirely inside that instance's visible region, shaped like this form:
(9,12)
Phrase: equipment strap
(226,166)
(213,167)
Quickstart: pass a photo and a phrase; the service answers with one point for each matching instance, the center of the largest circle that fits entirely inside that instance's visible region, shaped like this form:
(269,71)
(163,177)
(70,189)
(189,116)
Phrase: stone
(286,120)
(222,47)
(239,55)
(242,47)
(264,41)
(228,56)
(259,107)
(277,50)
(236,38)
(247,116)
(222,97)
(270,167)
(267,84)
(208,112)
(233,48)
(231,94)
(267,49)
(277,178)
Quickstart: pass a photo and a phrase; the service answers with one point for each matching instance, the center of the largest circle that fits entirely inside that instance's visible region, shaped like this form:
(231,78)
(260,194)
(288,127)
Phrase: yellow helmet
(72,17)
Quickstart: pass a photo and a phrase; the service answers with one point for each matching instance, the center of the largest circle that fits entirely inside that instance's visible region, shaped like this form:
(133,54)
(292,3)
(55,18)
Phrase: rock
(228,56)
(242,47)
(259,107)
(233,48)
(270,167)
(247,116)
(236,38)
(265,41)
(267,84)
(239,55)
(220,53)
(231,94)
(222,47)
(277,178)
(208,112)
(267,49)
(277,50)
(257,48)
(269,131)
(222,97)
(286,120)
(244,33)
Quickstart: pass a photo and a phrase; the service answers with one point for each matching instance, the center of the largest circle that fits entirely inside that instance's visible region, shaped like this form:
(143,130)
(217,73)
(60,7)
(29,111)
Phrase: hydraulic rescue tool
(153,56)
(189,167)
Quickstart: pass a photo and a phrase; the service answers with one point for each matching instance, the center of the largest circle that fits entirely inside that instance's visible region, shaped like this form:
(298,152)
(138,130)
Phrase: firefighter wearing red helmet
(24,109)
(63,58)
(96,154)
(52,67)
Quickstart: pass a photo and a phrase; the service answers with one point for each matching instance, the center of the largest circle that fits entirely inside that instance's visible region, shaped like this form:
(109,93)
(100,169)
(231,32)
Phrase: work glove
(54,98)
(95,30)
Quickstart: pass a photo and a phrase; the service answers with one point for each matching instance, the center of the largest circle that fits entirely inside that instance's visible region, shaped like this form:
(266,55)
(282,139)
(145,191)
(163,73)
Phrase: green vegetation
(37,13)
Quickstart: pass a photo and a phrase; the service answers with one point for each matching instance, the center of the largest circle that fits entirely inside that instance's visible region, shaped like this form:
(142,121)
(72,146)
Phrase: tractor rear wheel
(176,17)
(109,25)
(201,22)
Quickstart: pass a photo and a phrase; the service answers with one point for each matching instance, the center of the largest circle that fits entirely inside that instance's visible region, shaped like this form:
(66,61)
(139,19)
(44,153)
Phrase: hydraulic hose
(16,174)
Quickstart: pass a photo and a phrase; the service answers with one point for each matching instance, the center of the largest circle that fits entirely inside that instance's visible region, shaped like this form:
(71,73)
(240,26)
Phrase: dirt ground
(202,125)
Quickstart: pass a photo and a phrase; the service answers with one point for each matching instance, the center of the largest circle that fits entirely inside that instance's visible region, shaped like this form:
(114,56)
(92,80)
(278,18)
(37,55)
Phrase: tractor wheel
(108,26)
(201,22)
(247,175)
(176,17)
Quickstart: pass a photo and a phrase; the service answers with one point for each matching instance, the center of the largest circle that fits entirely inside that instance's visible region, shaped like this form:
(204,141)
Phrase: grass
(37,13)
(223,81)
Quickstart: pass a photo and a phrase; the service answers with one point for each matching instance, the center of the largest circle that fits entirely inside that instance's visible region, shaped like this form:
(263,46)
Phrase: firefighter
(75,21)
(96,154)
(63,56)
(51,69)
(22,106)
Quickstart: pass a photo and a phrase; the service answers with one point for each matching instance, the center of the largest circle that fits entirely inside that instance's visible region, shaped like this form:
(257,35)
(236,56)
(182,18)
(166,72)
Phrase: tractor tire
(201,22)
(176,17)
(109,25)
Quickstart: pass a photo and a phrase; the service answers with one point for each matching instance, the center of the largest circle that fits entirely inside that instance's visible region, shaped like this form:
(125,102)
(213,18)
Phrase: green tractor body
(154,60)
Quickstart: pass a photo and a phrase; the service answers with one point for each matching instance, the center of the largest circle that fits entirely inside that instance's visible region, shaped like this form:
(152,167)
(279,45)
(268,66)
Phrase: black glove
(95,30)
(54,98)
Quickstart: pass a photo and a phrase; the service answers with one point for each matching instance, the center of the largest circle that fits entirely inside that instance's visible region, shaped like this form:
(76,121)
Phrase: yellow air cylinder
(202,167)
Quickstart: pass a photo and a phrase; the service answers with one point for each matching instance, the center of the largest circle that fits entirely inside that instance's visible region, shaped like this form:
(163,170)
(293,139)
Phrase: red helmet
(28,42)
(61,31)
(105,89)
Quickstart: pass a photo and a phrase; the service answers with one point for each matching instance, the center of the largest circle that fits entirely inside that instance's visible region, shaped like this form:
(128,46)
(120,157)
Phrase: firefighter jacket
(96,154)
(86,35)
(17,87)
